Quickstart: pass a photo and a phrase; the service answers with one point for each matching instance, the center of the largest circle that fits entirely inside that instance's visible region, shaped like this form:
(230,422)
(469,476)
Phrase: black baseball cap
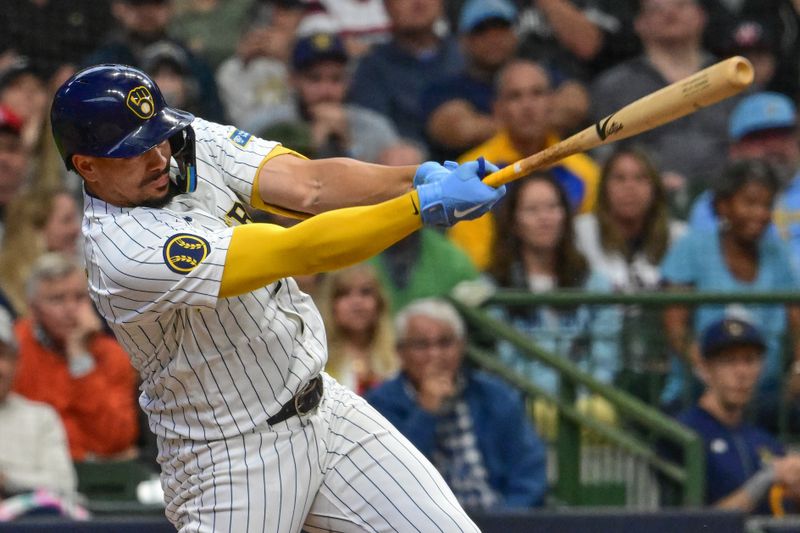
(318,47)
(729,332)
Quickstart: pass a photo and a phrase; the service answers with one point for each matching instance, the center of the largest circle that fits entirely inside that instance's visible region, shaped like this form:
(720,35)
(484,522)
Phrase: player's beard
(157,203)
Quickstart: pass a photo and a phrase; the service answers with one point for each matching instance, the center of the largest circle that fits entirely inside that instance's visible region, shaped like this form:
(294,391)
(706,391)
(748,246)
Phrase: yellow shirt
(578,173)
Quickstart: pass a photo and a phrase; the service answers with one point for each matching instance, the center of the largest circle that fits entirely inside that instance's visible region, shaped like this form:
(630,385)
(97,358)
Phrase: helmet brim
(153,132)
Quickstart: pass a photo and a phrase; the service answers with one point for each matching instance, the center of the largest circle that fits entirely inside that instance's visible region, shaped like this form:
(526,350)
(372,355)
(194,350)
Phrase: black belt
(302,403)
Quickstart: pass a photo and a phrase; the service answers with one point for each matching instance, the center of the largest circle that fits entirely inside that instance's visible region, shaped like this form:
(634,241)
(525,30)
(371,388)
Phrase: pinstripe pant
(341,468)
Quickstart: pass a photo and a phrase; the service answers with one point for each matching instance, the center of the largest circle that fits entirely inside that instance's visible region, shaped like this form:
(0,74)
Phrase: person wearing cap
(689,150)
(144,22)
(390,78)
(168,65)
(318,117)
(457,110)
(23,91)
(763,126)
(743,462)
(33,451)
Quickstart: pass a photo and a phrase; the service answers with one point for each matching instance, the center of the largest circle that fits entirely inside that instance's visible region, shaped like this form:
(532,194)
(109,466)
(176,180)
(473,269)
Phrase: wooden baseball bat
(702,89)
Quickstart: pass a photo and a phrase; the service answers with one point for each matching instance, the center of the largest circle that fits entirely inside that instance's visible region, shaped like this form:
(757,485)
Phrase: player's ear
(85,166)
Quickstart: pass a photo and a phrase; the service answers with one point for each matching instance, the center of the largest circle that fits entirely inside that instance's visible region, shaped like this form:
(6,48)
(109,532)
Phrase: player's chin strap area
(183,151)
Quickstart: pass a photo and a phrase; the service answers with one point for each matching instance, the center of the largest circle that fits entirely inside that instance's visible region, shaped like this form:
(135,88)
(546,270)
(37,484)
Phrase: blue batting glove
(460,195)
(431,171)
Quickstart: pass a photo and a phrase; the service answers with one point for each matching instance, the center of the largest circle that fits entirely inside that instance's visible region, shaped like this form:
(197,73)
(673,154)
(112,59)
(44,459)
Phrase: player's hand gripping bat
(702,89)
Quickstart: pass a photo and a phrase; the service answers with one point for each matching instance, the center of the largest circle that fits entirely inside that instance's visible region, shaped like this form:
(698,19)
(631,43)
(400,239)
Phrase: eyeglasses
(442,343)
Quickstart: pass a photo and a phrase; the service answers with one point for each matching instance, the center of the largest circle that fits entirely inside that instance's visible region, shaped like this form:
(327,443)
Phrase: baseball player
(252,434)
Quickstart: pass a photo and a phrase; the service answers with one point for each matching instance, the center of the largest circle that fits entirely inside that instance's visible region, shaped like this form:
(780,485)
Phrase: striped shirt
(210,367)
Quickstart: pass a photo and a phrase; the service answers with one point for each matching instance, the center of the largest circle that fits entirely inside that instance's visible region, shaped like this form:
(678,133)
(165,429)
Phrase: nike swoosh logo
(458,213)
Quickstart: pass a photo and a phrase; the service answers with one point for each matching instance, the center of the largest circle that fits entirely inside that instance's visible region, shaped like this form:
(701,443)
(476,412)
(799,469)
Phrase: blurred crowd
(710,202)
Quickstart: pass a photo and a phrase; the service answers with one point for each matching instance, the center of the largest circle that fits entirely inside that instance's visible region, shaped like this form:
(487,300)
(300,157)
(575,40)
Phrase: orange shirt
(98,410)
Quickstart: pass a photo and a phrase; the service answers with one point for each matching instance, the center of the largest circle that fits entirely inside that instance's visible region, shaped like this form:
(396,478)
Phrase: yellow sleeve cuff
(258,202)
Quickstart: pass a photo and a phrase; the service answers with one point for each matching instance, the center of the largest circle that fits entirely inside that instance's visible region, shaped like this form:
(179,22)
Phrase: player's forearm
(262,253)
(321,185)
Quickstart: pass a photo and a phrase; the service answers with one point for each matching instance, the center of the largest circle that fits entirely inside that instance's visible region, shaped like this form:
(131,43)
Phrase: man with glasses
(470,425)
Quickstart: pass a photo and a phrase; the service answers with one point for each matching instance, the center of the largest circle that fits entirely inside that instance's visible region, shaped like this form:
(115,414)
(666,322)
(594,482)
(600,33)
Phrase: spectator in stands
(424,264)
(689,150)
(390,78)
(66,361)
(535,251)
(458,109)
(740,256)
(747,469)
(38,221)
(333,128)
(471,426)
(524,98)
(33,451)
(144,22)
(763,126)
(358,325)
(257,75)
(627,235)
(625,239)
(23,91)
(168,65)
(14,159)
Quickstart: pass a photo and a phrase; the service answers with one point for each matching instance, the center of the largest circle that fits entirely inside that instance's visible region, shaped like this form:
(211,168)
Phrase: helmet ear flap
(183,151)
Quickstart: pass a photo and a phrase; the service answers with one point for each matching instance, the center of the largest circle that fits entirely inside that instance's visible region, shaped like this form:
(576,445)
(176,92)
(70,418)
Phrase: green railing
(689,475)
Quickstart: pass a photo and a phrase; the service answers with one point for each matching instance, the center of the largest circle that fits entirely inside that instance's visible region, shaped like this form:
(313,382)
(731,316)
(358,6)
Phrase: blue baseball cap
(318,47)
(761,111)
(476,12)
(729,332)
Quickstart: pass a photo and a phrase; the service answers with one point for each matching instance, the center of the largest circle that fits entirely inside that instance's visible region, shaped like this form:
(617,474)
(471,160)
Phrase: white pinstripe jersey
(210,367)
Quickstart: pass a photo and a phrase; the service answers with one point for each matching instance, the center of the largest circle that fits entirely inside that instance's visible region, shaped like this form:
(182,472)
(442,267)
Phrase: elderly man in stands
(67,361)
(33,451)
(472,426)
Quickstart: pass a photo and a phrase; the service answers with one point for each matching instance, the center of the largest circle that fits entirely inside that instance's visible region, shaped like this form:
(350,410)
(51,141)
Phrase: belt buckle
(308,389)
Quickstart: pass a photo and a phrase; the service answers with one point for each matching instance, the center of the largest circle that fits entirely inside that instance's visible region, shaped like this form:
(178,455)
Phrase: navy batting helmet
(118,111)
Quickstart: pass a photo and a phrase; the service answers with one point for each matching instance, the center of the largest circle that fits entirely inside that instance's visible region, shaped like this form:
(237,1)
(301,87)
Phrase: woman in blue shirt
(739,256)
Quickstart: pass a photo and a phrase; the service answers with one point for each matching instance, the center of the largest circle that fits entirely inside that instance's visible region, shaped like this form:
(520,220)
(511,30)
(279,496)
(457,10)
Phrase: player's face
(629,189)
(523,102)
(57,302)
(142,180)
(356,304)
(539,216)
(63,225)
(731,375)
(430,348)
(748,212)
